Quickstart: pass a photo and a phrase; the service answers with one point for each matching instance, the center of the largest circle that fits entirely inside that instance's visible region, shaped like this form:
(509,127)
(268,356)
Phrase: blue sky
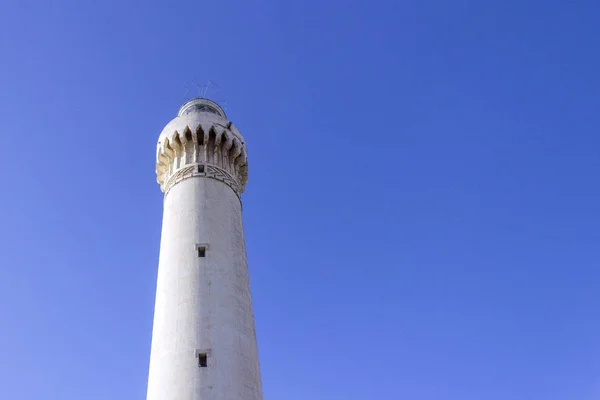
(423,208)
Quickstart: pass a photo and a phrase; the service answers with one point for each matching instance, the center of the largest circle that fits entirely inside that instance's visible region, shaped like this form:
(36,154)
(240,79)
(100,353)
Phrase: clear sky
(423,208)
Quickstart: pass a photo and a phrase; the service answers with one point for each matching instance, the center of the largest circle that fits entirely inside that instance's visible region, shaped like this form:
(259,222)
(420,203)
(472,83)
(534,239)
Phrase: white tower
(203,339)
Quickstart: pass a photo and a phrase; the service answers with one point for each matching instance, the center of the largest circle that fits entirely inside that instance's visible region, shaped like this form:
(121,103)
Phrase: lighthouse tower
(203,339)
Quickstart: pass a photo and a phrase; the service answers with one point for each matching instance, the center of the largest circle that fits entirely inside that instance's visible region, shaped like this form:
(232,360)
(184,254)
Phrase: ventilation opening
(201,169)
(201,251)
(203,360)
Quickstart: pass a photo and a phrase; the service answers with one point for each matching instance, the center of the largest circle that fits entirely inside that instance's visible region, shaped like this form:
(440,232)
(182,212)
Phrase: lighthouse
(203,338)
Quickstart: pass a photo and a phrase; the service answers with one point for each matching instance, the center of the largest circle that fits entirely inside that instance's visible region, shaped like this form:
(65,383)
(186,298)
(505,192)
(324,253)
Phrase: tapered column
(203,339)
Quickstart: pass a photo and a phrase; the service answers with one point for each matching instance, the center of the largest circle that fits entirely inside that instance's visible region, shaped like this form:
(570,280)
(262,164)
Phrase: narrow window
(201,169)
(202,360)
(201,251)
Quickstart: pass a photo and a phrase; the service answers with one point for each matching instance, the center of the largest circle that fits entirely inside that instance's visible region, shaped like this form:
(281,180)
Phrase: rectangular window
(201,251)
(203,360)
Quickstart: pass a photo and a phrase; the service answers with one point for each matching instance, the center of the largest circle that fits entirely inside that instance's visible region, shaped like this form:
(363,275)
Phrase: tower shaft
(203,338)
